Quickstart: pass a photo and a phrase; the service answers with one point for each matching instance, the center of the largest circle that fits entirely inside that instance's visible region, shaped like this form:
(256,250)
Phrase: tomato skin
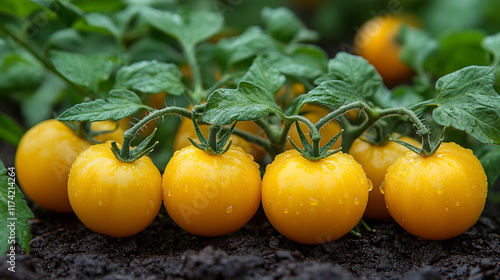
(437,197)
(211,195)
(376,42)
(116,133)
(375,160)
(43,159)
(314,202)
(113,197)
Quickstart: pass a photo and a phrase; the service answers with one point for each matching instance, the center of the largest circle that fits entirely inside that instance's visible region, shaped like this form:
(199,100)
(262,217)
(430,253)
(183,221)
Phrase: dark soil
(63,248)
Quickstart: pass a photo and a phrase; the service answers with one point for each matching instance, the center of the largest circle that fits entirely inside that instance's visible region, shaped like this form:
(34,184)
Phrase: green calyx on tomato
(215,144)
(313,151)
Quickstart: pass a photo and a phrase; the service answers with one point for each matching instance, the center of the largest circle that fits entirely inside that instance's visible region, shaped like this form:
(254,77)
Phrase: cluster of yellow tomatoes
(310,202)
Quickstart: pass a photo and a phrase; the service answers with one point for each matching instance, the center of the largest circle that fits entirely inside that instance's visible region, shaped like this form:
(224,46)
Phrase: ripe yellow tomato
(44,156)
(314,202)
(116,133)
(375,160)
(211,195)
(114,197)
(43,159)
(314,113)
(436,197)
(377,42)
(186,130)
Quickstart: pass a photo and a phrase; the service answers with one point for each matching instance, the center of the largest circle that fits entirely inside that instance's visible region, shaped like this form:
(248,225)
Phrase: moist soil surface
(63,248)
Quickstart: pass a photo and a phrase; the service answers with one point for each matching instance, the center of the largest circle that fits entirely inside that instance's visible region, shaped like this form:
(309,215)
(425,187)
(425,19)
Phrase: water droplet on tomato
(151,204)
(457,203)
(340,201)
(299,165)
(370,185)
(381,188)
(301,203)
(446,209)
(313,201)
(169,194)
(288,177)
(346,195)
(297,212)
(186,188)
(330,166)
(99,203)
(286,211)
(356,201)
(229,209)
(439,190)
(76,194)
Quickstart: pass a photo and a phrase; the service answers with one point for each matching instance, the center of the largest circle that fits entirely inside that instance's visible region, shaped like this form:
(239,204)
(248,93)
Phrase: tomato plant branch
(125,152)
(45,62)
(198,93)
(254,139)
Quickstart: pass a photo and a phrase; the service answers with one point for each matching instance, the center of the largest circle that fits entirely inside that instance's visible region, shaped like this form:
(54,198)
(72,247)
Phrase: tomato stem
(125,152)
(198,93)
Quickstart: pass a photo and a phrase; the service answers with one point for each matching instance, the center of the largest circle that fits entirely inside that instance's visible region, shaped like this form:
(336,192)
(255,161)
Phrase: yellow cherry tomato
(314,113)
(43,159)
(375,160)
(377,42)
(44,156)
(115,134)
(114,197)
(436,197)
(314,202)
(211,195)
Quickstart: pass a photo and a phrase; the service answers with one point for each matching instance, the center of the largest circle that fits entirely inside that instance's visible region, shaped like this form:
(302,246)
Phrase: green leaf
(490,160)
(354,70)
(84,70)
(330,93)
(417,47)
(263,74)
(10,131)
(468,102)
(120,104)
(19,71)
(196,27)
(307,61)
(40,105)
(492,44)
(151,77)
(64,10)
(401,96)
(246,103)
(285,26)
(13,212)
(18,8)
(459,50)
(103,22)
(251,43)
